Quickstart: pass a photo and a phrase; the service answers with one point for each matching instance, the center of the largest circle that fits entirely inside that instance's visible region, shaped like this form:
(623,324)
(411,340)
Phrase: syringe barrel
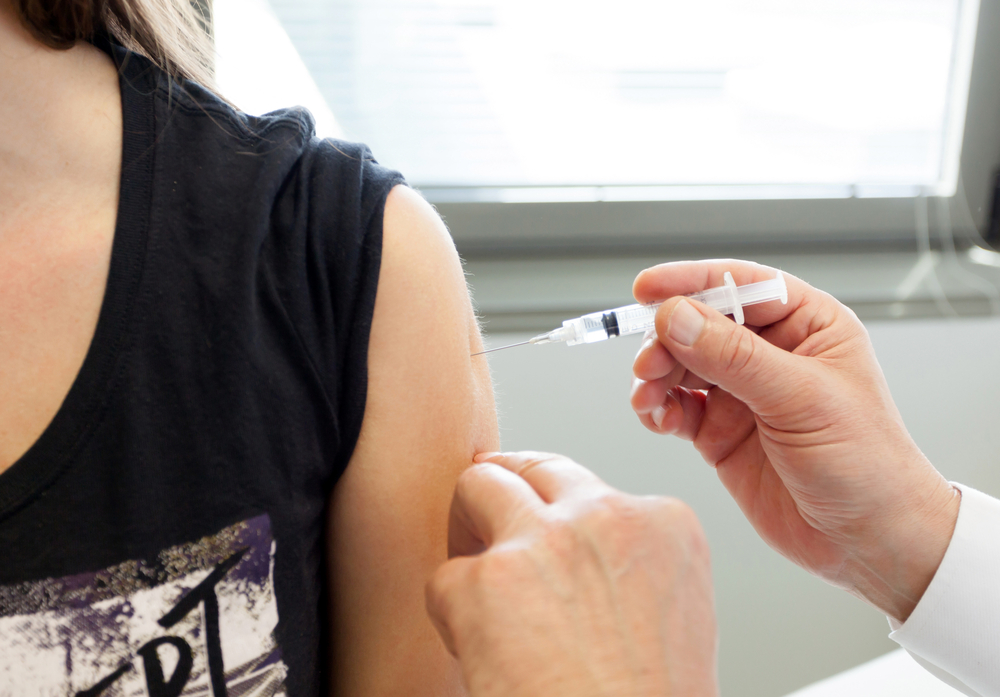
(585,330)
(716,298)
(634,319)
(598,326)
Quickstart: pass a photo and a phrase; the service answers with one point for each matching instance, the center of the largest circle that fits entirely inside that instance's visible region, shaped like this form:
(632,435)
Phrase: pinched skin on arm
(429,410)
(561,586)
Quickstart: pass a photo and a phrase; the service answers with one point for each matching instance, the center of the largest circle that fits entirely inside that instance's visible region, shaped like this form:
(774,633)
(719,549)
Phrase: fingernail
(483,457)
(657,416)
(686,324)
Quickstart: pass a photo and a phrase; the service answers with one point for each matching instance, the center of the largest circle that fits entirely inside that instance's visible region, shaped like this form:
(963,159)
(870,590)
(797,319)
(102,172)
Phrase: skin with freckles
(559,585)
(793,412)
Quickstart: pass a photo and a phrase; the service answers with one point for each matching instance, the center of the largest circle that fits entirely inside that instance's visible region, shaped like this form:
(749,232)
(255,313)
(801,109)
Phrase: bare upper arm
(429,410)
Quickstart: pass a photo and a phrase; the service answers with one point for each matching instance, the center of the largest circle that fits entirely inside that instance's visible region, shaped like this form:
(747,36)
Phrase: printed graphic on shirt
(198,619)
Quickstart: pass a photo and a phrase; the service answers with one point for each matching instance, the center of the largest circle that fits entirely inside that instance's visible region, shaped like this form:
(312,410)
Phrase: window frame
(490,228)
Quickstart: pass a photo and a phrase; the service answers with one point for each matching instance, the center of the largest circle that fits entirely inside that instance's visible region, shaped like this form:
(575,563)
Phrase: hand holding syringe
(729,299)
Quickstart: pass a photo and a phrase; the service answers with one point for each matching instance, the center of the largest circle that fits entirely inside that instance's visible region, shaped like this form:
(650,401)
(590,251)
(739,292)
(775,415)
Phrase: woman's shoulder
(206,119)
(197,129)
(204,138)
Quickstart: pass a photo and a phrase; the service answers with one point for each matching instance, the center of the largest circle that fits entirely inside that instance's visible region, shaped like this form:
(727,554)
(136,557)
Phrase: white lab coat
(954,632)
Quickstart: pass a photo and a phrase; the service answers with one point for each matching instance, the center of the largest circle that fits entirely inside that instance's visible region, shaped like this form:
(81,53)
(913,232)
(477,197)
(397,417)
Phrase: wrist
(894,570)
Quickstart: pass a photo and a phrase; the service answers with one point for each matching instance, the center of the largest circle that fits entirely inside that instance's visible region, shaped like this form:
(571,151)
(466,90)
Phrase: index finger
(553,477)
(485,508)
(684,277)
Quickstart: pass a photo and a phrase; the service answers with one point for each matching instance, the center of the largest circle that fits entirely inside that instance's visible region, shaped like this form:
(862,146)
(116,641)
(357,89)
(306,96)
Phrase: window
(584,100)
(543,104)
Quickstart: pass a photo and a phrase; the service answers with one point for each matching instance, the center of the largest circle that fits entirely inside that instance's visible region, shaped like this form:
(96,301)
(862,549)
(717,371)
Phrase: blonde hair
(174,34)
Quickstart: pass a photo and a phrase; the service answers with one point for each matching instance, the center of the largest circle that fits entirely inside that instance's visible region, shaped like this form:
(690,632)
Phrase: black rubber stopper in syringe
(610,321)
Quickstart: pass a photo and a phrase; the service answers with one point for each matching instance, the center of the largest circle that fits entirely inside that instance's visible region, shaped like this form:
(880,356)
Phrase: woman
(226,447)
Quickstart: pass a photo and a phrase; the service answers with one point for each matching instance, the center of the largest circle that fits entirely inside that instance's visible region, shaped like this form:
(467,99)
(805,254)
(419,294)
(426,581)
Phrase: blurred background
(570,144)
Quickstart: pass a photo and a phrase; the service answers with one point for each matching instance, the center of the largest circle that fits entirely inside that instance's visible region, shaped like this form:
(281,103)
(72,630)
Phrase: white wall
(780,628)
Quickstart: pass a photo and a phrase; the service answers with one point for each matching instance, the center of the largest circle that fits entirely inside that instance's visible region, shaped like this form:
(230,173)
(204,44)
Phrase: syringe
(729,299)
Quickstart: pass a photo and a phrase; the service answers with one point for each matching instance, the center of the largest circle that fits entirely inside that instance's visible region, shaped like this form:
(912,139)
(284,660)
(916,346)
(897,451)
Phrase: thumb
(727,354)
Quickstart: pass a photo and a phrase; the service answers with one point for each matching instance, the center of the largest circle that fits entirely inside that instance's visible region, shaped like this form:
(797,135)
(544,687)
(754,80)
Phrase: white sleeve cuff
(956,625)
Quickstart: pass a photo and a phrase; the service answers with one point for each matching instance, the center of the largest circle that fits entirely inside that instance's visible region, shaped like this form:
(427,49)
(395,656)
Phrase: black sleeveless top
(164,536)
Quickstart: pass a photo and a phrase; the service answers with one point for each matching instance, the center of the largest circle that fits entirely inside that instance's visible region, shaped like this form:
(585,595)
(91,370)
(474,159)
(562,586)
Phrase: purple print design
(198,619)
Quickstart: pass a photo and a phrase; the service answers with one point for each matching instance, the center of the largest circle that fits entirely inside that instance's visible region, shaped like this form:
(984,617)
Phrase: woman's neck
(60,126)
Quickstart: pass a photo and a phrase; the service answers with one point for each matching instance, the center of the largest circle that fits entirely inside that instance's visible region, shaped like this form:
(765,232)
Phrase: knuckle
(687,528)
(851,316)
(533,459)
(679,514)
(497,570)
(470,478)
(491,568)
(617,519)
(463,487)
(441,589)
(614,508)
(571,537)
(615,525)
(738,351)
(858,330)
(560,537)
(537,456)
(460,586)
